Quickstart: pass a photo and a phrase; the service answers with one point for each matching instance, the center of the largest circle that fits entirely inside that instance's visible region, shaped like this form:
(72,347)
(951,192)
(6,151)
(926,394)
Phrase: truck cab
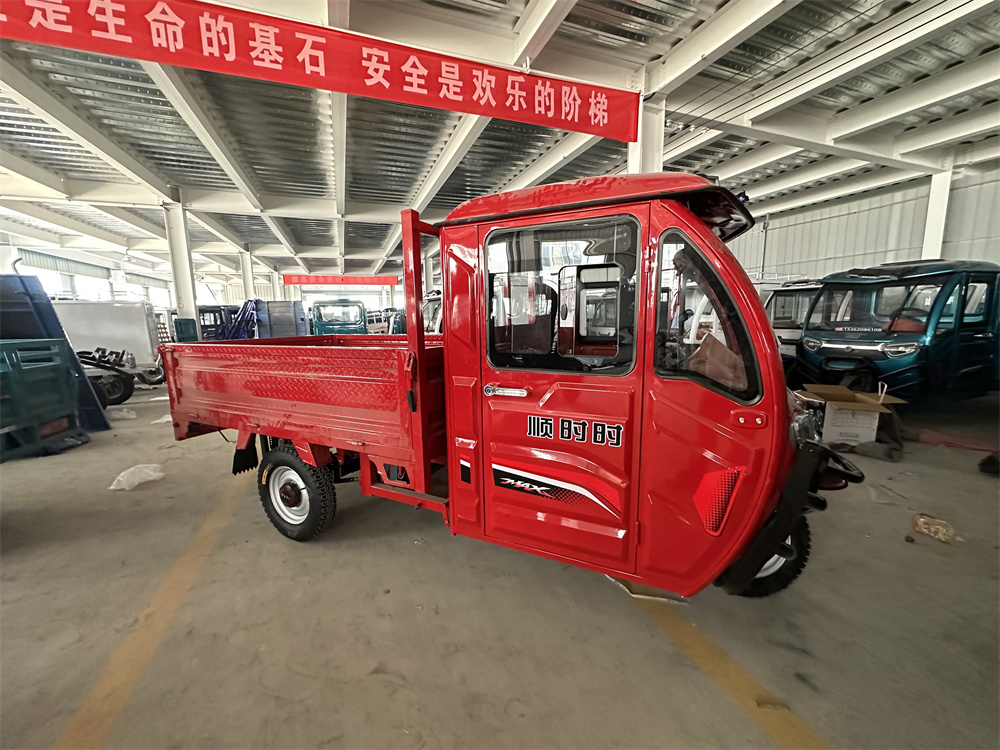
(339,316)
(924,329)
(607,392)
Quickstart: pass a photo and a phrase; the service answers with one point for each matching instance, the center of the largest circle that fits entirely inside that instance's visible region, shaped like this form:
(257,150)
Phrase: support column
(246,270)
(646,154)
(275,285)
(937,212)
(181,264)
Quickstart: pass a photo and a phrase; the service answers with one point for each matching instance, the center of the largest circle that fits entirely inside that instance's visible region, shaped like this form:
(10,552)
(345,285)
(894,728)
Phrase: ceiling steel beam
(967,125)
(285,238)
(72,225)
(952,83)
(886,39)
(840,189)
(137,222)
(30,94)
(32,173)
(186,96)
(10,226)
(728,27)
(537,24)
(821,170)
(673,151)
(977,153)
(755,159)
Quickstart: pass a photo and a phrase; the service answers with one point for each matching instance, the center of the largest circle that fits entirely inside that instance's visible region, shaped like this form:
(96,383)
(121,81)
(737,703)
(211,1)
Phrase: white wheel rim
(281,476)
(771,566)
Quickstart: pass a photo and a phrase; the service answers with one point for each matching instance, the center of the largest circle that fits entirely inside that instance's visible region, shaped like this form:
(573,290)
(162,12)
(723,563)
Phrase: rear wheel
(118,388)
(300,500)
(778,572)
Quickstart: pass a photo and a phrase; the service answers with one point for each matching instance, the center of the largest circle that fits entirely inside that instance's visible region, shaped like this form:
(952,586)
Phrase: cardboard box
(849,417)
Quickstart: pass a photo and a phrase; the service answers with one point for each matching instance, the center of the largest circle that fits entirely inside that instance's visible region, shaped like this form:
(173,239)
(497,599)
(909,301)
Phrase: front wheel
(300,500)
(778,572)
(118,388)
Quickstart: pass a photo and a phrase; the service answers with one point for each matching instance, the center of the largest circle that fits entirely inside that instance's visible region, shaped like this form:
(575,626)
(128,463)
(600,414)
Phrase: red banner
(201,35)
(302,279)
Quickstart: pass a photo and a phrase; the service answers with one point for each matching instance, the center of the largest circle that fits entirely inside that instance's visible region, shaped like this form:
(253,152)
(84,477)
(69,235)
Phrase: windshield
(901,307)
(339,313)
(787,309)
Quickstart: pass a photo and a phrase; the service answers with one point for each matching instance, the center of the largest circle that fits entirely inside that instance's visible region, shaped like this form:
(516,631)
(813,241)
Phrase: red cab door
(562,371)
(714,407)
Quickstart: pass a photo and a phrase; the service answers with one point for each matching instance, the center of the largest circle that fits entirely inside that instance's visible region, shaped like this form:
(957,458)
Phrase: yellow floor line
(93,720)
(771,713)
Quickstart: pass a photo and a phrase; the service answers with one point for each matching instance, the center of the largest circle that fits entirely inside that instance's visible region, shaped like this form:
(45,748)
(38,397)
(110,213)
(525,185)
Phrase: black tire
(788,570)
(102,395)
(300,500)
(118,388)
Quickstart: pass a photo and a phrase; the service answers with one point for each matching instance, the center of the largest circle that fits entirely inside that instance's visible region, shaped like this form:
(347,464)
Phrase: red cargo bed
(342,392)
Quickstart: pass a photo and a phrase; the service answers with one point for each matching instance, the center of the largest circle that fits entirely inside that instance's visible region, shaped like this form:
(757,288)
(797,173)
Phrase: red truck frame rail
(607,392)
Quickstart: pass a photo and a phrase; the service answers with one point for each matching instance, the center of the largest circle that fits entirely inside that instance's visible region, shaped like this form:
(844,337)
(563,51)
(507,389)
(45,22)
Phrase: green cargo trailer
(38,398)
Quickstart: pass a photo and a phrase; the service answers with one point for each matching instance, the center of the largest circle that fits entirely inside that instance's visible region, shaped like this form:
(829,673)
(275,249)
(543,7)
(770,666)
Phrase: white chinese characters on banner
(415,76)
(451,83)
(570,103)
(165,27)
(51,14)
(264,49)
(112,15)
(311,56)
(484,87)
(376,62)
(515,94)
(218,38)
(545,99)
(598,109)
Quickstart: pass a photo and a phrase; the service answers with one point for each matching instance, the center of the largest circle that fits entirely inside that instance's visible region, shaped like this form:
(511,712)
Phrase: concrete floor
(387,631)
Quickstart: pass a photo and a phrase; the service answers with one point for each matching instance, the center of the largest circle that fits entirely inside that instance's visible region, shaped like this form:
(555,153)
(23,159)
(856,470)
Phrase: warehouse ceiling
(793,102)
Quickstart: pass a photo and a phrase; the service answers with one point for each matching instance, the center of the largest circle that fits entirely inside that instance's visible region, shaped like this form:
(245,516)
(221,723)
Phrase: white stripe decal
(465,463)
(564,485)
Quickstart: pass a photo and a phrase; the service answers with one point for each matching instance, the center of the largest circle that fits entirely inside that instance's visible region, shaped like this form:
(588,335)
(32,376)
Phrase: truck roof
(908,269)
(721,211)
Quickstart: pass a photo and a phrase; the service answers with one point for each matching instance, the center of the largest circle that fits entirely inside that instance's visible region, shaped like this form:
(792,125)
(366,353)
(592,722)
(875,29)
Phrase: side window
(699,332)
(562,296)
(977,298)
(947,320)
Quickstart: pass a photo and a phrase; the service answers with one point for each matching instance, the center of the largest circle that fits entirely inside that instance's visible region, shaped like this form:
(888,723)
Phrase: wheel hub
(290,495)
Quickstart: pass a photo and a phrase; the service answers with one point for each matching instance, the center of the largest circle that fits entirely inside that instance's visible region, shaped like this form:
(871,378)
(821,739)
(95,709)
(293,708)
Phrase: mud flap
(245,457)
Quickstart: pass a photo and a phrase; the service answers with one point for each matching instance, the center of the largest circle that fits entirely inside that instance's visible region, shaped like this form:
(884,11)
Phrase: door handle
(497,390)
(982,335)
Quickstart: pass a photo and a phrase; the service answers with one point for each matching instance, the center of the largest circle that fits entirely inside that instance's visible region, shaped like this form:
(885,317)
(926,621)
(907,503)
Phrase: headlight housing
(900,350)
(813,345)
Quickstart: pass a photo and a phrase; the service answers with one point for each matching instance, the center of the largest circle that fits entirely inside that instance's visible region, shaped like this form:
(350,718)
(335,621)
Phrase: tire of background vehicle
(300,500)
(118,388)
(102,395)
(778,573)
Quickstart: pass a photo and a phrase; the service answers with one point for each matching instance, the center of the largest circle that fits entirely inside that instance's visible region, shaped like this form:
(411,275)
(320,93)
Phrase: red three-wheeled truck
(607,392)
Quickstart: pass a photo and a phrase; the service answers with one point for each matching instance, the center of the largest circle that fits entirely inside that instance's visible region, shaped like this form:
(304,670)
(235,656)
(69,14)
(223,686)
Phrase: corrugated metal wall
(877,229)
(972,231)
(811,244)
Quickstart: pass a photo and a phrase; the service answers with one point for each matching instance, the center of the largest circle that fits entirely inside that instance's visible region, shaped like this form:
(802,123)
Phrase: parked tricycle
(924,329)
(572,408)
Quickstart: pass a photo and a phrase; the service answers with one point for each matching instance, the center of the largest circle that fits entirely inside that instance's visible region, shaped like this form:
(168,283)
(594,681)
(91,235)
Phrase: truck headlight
(900,350)
(813,345)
